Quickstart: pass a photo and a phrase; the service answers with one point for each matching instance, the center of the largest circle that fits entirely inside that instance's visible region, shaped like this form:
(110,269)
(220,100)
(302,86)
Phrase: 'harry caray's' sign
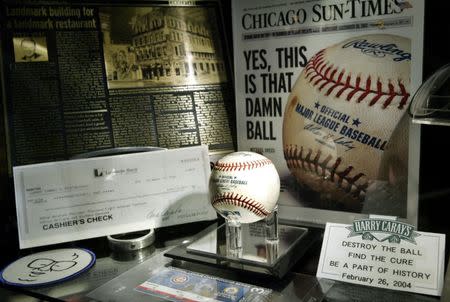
(382,230)
(414,264)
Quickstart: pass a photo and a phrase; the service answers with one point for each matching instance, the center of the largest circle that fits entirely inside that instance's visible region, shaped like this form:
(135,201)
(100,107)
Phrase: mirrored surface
(255,247)
(259,254)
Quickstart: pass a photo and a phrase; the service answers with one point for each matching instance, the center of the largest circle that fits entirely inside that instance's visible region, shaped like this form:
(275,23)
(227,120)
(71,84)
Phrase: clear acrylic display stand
(431,103)
(268,252)
(265,247)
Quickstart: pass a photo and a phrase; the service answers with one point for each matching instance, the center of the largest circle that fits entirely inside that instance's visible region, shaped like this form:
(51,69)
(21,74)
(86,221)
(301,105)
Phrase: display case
(117,119)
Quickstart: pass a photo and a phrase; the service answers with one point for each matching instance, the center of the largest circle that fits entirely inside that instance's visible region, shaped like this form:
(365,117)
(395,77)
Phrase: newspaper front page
(322,89)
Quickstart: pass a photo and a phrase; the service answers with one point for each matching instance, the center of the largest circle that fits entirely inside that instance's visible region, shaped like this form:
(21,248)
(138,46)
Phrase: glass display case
(431,103)
(261,271)
(122,276)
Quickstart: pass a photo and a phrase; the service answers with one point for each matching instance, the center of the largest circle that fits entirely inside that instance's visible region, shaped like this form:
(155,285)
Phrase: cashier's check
(85,198)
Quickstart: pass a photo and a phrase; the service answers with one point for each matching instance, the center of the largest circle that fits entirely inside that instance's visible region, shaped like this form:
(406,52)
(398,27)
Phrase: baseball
(244,186)
(341,113)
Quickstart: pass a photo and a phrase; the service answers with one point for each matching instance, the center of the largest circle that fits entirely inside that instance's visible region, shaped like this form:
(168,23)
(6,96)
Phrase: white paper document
(78,199)
(383,253)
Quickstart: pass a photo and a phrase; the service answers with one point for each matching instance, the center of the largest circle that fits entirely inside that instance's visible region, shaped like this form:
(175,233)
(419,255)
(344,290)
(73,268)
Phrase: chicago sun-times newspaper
(322,89)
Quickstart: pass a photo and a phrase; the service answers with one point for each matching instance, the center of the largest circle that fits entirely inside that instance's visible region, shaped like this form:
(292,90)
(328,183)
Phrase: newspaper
(97,75)
(322,89)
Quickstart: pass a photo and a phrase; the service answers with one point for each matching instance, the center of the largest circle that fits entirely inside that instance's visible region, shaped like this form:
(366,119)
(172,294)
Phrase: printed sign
(383,253)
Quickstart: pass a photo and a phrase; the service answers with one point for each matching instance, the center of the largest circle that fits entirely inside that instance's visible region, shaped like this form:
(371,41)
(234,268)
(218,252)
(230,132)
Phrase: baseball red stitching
(237,166)
(321,74)
(239,200)
(300,159)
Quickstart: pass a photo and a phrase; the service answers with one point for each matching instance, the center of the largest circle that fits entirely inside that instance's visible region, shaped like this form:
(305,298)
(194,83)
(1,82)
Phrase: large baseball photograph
(339,123)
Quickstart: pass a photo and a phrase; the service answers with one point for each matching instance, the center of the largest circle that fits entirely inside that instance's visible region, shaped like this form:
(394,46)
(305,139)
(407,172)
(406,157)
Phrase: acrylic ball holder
(266,247)
(244,189)
(267,251)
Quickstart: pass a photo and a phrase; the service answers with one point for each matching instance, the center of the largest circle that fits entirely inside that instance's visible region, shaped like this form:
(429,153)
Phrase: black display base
(257,252)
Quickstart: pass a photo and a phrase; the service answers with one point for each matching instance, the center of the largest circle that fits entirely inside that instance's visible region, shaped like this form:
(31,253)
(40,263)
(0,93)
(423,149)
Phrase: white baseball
(244,186)
(342,111)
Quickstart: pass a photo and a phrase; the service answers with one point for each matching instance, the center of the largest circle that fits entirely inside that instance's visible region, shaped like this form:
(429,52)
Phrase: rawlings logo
(379,50)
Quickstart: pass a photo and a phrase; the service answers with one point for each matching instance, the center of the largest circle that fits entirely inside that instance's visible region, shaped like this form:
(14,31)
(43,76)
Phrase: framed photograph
(322,89)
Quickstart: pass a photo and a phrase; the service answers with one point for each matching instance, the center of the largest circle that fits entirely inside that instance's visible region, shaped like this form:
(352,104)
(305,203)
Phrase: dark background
(434,188)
